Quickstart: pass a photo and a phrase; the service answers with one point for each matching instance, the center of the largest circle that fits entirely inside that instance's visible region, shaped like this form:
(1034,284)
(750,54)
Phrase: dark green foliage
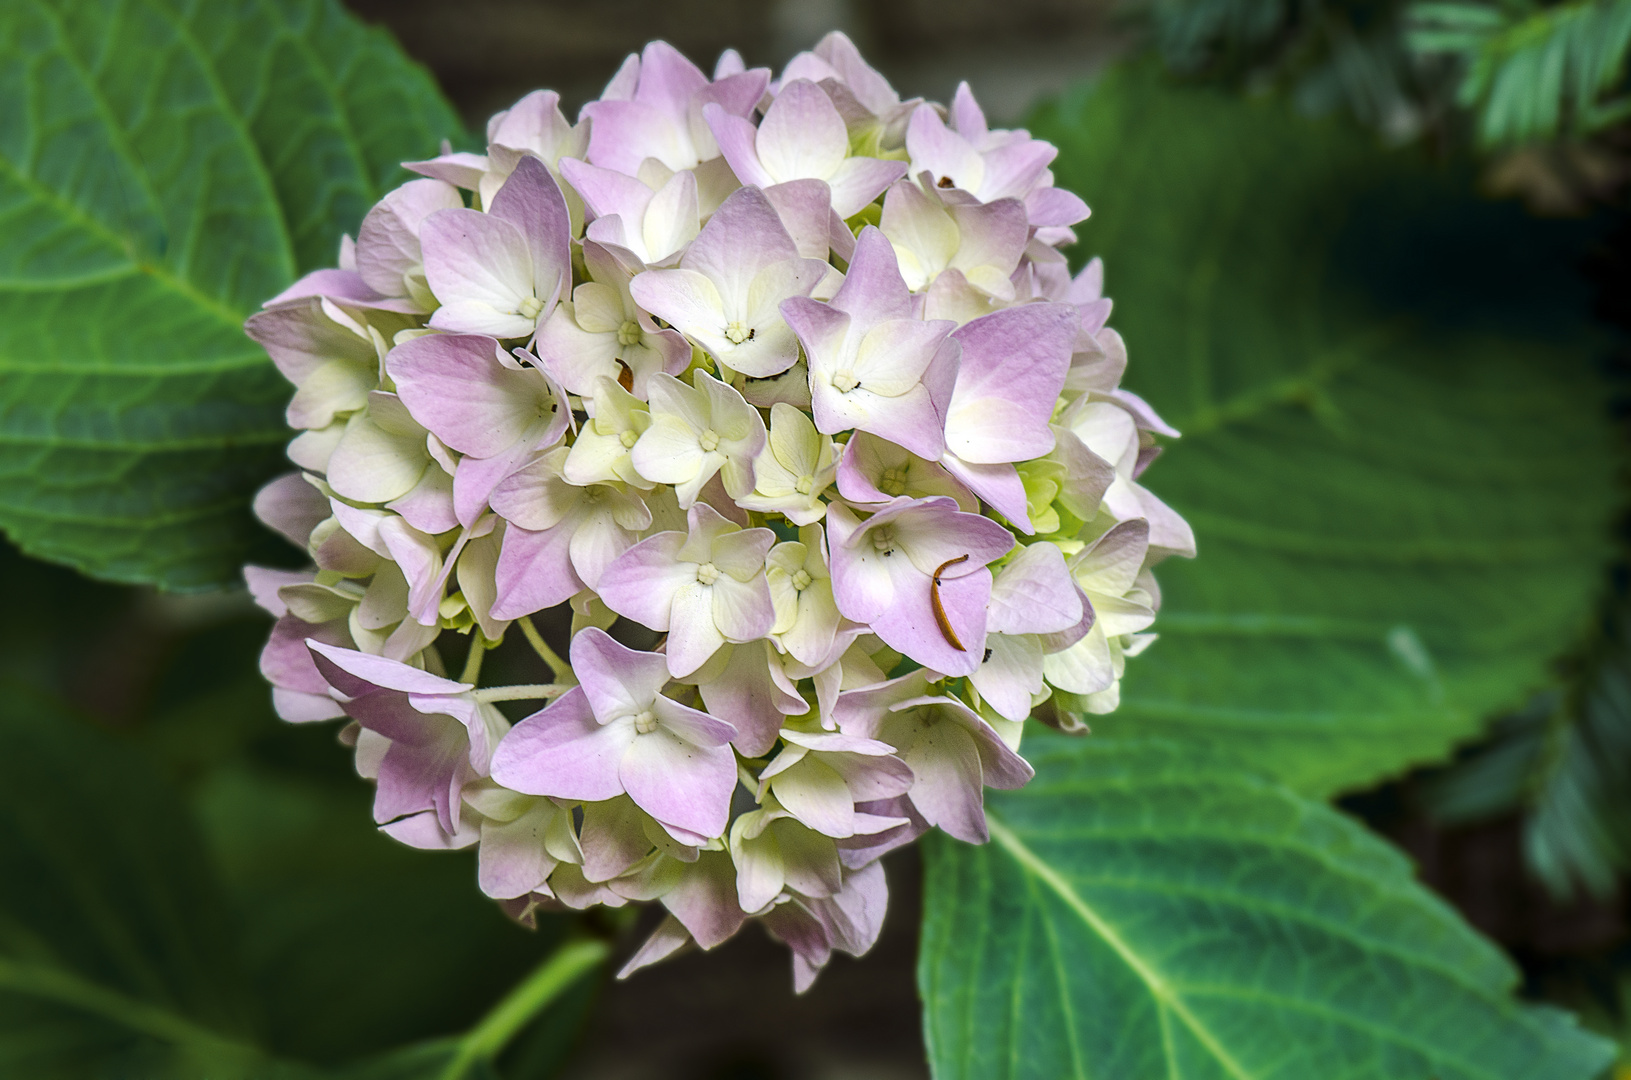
(1396,456)
(210,879)
(166,166)
(1565,764)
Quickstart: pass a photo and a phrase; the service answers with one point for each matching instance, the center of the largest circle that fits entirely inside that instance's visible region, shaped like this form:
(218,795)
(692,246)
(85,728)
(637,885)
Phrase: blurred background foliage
(1372,255)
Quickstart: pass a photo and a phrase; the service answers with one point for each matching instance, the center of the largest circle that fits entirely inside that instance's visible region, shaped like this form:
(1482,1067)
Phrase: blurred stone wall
(487,53)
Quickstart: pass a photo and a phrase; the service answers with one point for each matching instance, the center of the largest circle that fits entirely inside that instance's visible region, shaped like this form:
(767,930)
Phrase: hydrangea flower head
(783,381)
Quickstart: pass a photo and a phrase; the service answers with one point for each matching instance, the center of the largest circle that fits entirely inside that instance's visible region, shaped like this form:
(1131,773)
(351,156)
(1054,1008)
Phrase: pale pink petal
(532,202)
(1054,206)
(292,506)
(353,673)
(481,270)
(617,680)
(802,135)
(873,289)
(642,582)
(678,782)
(735,137)
(1013,367)
(534,572)
(1034,594)
(669,937)
(455,385)
(745,694)
(949,781)
(693,637)
(859,181)
(560,751)
(1011,673)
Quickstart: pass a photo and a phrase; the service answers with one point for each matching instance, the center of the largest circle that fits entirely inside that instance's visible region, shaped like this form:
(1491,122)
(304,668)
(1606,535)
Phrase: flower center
(645,721)
(893,481)
(844,381)
(803,484)
(629,333)
(709,440)
(707,573)
(628,438)
(802,579)
(736,333)
(883,540)
(530,307)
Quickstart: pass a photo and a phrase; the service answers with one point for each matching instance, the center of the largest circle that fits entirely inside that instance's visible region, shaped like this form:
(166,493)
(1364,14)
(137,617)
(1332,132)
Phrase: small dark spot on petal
(986,659)
(945,182)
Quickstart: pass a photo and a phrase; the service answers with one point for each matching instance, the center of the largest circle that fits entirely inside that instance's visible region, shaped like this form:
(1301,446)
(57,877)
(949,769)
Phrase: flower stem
(528,692)
(472,659)
(562,670)
(563,967)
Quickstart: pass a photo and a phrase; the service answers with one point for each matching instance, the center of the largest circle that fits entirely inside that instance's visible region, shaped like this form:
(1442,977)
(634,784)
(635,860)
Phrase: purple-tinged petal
(354,673)
(462,169)
(735,136)
(743,690)
(859,181)
(680,783)
(1034,594)
(641,583)
(388,241)
(912,626)
(292,506)
(999,485)
(561,751)
(1055,206)
(617,680)
(531,200)
(534,572)
(481,269)
(669,938)
(456,386)
(802,135)
(613,838)
(873,289)
(949,781)
(1013,367)
(705,900)
(805,207)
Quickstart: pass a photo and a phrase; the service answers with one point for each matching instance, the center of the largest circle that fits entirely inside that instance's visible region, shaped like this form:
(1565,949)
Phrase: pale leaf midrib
(1157,984)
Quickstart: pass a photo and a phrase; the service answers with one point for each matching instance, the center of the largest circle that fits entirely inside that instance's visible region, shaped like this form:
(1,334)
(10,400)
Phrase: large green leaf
(1397,456)
(1143,912)
(165,166)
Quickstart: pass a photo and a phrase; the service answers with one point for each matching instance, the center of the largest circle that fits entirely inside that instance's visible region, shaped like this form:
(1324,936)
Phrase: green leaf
(1397,456)
(1143,911)
(165,166)
(115,958)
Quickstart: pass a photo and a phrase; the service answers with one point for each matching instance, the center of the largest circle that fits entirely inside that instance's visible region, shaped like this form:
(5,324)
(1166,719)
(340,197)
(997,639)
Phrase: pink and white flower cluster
(784,379)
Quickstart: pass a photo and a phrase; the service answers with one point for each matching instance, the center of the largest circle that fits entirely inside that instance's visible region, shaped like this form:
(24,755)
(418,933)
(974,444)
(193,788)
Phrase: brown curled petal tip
(940,609)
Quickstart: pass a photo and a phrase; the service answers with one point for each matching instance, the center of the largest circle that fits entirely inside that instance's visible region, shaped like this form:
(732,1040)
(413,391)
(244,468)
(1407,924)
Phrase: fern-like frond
(1531,72)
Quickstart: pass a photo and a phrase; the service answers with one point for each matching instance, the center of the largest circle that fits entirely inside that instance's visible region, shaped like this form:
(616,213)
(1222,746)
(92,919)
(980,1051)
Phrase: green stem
(472,659)
(562,670)
(528,692)
(568,963)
